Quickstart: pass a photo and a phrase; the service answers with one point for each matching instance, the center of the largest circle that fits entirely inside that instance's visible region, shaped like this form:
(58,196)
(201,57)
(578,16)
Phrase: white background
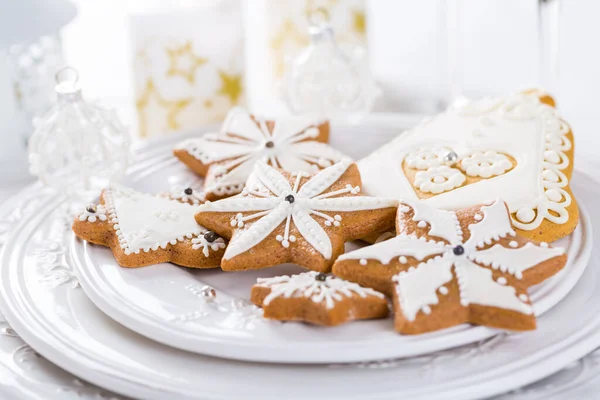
(406,40)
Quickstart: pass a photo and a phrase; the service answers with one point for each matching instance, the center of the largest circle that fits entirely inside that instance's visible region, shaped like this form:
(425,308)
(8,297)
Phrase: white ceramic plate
(163,303)
(42,302)
(40,297)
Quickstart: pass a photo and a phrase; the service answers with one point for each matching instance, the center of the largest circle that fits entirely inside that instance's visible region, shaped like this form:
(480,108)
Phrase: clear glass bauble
(32,67)
(78,147)
(326,82)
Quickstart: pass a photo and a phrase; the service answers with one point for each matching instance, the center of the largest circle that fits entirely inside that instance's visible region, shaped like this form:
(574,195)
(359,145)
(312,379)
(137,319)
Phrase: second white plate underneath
(40,296)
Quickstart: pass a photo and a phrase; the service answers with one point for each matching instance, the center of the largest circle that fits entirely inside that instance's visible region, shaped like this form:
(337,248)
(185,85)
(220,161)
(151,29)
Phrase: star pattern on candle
(359,23)
(183,62)
(173,107)
(231,86)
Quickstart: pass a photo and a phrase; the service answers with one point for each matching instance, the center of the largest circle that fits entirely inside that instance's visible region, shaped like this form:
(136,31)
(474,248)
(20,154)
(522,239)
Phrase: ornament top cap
(319,25)
(67,81)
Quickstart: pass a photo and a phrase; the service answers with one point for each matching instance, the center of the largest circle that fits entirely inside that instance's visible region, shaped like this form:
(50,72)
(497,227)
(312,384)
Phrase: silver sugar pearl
(208,293)
(450,158)
(91,208)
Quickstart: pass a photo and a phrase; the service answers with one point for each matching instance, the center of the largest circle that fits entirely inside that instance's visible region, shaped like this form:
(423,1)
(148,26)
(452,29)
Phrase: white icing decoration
(98,215)
(363,262)
(513,243)
(477,217)
(426,158)
(553,195)
(481,289)
(520,126)
(402,260)
(242,141)
(515,260)
(493,226)
(328,291)
(525,215)
(418,288)
(523,297)
(269,208)
(403,209)
(422,224)
(486,165)
(438,179)
(384,252)
(443,290)
(195,198)
(200,242)
(144,222)
(445,225)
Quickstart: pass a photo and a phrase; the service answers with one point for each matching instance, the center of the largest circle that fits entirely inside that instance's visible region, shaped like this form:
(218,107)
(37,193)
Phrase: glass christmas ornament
(32,67)
(326,82)
(77,147)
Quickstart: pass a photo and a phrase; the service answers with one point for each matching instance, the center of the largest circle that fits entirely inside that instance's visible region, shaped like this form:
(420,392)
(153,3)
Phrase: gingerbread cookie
(318,299)
(517,148)
(226,158)
(294,217)
(142,229)
(445,268)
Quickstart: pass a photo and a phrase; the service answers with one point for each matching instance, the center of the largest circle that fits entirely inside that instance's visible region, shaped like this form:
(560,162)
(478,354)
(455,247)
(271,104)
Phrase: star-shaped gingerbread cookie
(227,158)
(295,217)
(318,299)
(142,229)
(445,268)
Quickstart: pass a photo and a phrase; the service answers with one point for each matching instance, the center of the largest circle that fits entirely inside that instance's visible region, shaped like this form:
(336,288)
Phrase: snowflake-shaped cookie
(445,268)
(142,229)
(282,217)
(227,158)
(317,298)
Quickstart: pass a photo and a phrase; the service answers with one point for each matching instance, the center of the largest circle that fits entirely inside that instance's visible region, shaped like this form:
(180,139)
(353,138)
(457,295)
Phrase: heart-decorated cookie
(517,148)
(227,158)
(446,268)
(142,229)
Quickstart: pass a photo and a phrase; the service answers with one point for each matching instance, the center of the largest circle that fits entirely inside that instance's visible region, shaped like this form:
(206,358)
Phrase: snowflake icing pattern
(270,200)
(315,286)
(455,260)
(243,141)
